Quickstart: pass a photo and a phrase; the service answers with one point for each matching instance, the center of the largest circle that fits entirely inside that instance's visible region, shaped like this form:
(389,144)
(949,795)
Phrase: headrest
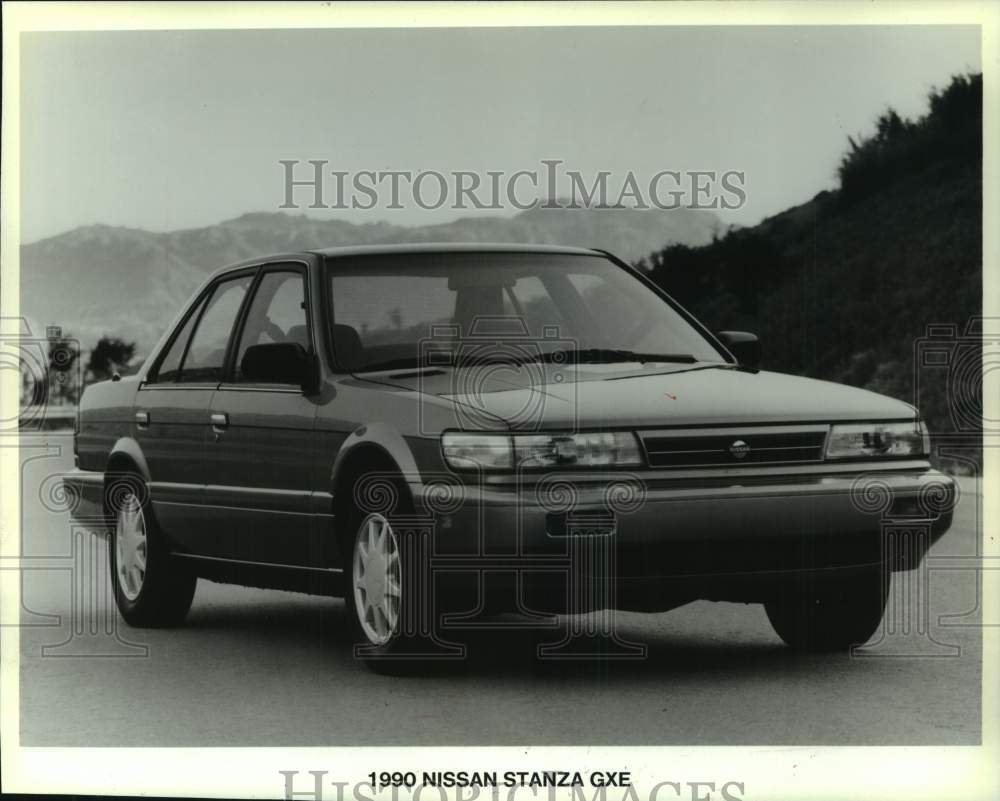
(347,348)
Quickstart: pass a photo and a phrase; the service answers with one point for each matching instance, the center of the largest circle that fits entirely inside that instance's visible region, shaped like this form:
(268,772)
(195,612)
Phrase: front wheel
(151,589)
(832,614)
(380,597)
(376,582)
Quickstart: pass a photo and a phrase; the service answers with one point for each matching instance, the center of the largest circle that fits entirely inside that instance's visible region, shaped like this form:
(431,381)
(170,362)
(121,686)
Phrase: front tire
(378,597)
(376,582)
(832,614)
(151,589)
(385,601)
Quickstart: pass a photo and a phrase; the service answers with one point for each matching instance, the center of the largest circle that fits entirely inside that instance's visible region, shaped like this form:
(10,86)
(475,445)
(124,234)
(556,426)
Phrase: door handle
(220,421)
(142,419)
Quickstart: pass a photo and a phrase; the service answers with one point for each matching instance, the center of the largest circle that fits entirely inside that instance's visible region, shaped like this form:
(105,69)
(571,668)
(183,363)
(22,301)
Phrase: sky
(179,129)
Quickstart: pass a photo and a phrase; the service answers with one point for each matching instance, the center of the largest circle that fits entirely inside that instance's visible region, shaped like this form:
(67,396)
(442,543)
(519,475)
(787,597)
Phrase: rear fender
(126,460)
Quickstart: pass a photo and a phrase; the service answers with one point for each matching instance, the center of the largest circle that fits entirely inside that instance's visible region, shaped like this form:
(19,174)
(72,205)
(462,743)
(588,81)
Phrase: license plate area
(580,523)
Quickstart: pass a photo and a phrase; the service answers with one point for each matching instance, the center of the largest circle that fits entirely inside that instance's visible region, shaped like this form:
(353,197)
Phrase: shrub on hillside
(952,128)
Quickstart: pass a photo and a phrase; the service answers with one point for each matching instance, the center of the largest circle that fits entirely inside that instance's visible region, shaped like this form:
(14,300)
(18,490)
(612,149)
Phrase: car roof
(451,247)
(405,249)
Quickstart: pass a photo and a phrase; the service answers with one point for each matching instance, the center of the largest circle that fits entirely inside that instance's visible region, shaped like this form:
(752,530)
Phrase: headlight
(477,451)
(595,449)
(873,440)
(538,451)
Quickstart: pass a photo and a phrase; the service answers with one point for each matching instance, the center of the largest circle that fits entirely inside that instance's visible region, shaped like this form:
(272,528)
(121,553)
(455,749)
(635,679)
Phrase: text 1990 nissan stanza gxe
(444,432)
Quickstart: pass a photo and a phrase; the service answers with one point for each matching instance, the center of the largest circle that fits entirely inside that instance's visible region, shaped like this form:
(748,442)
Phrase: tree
(108,355)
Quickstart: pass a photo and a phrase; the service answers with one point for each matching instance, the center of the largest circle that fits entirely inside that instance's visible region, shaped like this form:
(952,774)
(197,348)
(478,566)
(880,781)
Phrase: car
(445,434)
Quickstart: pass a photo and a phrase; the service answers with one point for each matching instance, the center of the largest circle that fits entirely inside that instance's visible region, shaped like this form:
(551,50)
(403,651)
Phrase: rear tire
(832,614)
(151,588)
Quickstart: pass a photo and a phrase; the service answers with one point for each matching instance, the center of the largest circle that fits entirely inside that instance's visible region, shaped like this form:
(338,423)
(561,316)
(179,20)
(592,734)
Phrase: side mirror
(743,345)
(281,363)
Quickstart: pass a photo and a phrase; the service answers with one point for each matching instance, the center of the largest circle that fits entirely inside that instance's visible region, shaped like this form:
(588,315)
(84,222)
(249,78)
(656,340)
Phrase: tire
(831,615)
(380,592)
(151,590)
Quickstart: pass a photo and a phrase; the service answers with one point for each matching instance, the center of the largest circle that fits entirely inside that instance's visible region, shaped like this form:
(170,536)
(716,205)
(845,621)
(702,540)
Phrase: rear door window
(170,366)
(206,355)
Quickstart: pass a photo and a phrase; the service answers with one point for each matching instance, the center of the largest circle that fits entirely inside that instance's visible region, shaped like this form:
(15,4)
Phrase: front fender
(386,438)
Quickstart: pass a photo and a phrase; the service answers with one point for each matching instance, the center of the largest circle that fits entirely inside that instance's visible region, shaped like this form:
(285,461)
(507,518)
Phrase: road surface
(254,668)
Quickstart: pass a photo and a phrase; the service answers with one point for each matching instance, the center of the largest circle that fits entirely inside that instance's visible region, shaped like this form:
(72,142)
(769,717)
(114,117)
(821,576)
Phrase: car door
(171,414)
(262,447)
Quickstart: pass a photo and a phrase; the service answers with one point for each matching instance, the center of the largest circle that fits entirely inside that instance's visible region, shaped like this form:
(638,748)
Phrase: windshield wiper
(443,360)
(565,355)
(611,355)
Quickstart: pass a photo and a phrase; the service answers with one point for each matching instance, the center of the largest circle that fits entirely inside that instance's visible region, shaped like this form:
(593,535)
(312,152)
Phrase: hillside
(845,286)
(103,280)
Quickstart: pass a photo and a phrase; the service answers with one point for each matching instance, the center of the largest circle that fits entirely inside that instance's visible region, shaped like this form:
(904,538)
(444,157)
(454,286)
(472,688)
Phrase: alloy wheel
(377,578)
(130,547)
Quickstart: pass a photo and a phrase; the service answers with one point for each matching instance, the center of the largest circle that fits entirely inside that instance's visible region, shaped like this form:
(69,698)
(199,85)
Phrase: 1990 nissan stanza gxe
(440,432)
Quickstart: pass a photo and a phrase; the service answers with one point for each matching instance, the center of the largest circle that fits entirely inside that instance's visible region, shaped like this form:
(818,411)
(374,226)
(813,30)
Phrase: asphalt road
(254,668)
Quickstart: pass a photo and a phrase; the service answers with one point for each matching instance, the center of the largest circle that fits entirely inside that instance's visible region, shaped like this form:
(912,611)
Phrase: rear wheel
(831,615)
(151,589)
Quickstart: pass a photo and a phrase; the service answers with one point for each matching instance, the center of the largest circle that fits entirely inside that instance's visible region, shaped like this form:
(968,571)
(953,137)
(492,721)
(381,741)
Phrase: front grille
(729,447)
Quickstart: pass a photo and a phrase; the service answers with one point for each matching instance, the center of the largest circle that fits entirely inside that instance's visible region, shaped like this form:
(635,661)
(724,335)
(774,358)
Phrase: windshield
(437,309)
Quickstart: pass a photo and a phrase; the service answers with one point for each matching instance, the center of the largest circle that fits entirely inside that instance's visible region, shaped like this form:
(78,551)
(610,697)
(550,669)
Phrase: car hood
(537,396)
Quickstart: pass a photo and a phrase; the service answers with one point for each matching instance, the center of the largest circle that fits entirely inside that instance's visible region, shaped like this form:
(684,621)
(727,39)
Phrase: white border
(771,773)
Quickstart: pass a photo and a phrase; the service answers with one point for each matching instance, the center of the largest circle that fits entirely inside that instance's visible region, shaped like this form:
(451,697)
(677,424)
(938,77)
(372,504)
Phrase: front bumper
(663,541)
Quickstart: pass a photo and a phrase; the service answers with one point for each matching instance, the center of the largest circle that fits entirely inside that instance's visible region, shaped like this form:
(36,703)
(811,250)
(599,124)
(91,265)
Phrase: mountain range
(102,280)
